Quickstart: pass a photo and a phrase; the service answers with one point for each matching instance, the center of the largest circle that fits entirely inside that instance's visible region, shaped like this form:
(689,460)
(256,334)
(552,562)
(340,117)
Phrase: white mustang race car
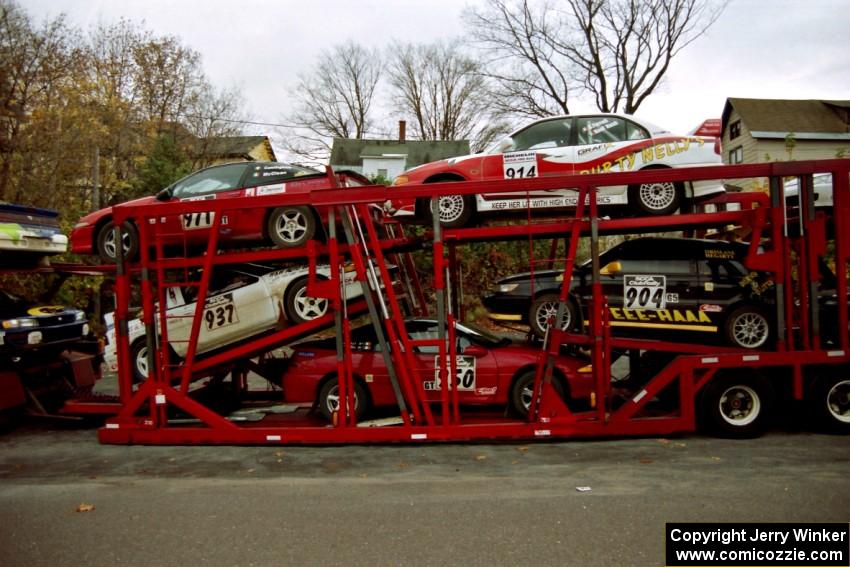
(243,301)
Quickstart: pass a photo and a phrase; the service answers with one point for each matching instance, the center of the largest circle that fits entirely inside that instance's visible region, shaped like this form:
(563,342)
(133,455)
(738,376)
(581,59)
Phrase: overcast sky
(758,48)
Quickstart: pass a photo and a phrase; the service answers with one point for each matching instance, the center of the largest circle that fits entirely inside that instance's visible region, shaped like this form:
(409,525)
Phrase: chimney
(402,130)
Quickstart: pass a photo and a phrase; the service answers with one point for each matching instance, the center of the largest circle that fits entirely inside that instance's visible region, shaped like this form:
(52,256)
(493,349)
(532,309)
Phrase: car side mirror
(475,350)
(505,145)
(611,269)
(164,195)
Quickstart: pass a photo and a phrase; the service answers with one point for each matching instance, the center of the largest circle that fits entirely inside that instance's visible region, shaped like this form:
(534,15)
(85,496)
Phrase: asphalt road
(461,504)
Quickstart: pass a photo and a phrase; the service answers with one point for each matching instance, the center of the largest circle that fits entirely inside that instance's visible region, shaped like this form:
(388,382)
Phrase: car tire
(736,405)
(290,227)
(328,399)
(830,403)
(655,199)
(299,307)
(747,327)
(521,391)
(546,306)
(139,360)
(106,247)
(454,210)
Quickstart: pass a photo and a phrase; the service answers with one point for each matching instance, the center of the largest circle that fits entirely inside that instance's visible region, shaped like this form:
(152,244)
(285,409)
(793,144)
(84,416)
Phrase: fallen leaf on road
(523,449)
(645,461)
(480,457)
(85,508)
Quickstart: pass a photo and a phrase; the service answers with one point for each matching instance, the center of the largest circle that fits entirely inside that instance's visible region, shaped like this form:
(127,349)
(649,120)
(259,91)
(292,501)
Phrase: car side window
(636,132)
(601,130)
(660,267)
(548,134)
(266,173)
(210,180)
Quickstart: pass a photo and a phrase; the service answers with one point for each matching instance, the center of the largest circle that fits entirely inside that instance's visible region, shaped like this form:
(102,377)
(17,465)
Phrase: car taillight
(717,146)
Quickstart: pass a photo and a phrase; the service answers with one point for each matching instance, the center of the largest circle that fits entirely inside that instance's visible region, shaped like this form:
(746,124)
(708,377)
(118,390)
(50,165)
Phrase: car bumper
(20,240)
(501,307)
(82,238)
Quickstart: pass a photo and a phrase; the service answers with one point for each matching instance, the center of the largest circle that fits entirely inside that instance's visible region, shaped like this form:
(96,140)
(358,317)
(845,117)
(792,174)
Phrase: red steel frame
(144,415)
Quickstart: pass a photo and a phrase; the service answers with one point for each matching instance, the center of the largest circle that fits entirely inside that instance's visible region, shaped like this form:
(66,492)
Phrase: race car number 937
(220,312)
(645,292)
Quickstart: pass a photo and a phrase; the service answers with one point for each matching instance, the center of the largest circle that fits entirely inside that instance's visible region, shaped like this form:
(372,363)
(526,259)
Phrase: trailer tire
(736,405)
(830,403)
(546,306)
(522,387)
(328,399)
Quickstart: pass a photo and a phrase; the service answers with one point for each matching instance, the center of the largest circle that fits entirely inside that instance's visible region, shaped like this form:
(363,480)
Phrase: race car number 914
(220,312)
(645,292)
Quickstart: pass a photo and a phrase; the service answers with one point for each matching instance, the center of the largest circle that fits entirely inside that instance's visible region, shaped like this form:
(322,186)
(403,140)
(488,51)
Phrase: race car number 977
(645,292)
(192,221)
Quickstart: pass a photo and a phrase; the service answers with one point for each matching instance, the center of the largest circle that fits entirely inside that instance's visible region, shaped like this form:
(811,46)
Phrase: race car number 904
(220,312)
(645,292)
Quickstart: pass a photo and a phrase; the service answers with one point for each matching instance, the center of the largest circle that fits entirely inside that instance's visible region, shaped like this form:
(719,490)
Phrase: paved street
(387,505)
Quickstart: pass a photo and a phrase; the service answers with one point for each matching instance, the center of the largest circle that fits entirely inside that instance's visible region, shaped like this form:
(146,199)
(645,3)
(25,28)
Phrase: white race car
(566,145)
(243,301)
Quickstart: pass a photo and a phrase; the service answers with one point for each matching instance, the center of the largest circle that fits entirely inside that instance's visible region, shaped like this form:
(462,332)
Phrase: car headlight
(401,180)
(19,323)
(507,287)
(79,316)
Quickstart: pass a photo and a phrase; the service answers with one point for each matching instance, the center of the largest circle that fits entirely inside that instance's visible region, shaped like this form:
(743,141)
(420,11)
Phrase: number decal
(220,312)
(464,376)
(645,292)
(519,165)
(193,221)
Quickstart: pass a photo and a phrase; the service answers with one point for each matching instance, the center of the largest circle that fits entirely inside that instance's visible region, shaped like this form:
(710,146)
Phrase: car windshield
(481,336)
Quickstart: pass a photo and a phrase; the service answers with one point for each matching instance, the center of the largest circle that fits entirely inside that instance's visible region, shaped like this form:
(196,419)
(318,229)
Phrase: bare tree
(335,99)
(617,51)
(442,89)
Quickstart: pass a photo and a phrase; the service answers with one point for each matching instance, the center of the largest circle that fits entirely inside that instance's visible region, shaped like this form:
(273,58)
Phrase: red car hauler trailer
(671,387)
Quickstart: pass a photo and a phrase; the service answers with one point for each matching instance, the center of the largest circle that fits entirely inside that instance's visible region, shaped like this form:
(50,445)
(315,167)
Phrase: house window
(734,129)
(382,173)
(736,155)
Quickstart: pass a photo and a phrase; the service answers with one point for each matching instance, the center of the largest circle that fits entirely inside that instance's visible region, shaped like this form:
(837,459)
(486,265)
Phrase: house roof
(807,119)
(227,146)
(346,151)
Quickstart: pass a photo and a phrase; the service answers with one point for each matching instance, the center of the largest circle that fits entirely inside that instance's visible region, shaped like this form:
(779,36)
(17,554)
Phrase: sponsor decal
(210,197)
(545,202)
(672,298)
(757,287)
(720,254)
(659,315)
(249,192)
(596,148)
(271,189)
(485,391)
(711,308)
(643,154)
(45,310)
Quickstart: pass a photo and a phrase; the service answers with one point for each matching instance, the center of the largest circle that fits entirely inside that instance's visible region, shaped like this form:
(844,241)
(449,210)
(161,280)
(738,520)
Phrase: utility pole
(95,194)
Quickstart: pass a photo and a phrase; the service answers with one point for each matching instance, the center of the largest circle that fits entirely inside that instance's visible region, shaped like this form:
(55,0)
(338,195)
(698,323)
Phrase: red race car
(490,371)
(567,145)
(281,226)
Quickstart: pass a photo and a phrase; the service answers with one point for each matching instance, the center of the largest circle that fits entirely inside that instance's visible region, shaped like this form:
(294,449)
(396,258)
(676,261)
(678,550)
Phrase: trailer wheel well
(330,376)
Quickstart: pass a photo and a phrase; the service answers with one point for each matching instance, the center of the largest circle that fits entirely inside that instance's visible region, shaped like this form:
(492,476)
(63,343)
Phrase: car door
(542,148)
(208,184)
(608,143)
(239,306)
(651,294)
(475,374)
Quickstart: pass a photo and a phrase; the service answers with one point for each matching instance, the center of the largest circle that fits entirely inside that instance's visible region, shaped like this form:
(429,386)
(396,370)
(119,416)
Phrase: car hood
(426,170)
(538,275)
(91,218)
